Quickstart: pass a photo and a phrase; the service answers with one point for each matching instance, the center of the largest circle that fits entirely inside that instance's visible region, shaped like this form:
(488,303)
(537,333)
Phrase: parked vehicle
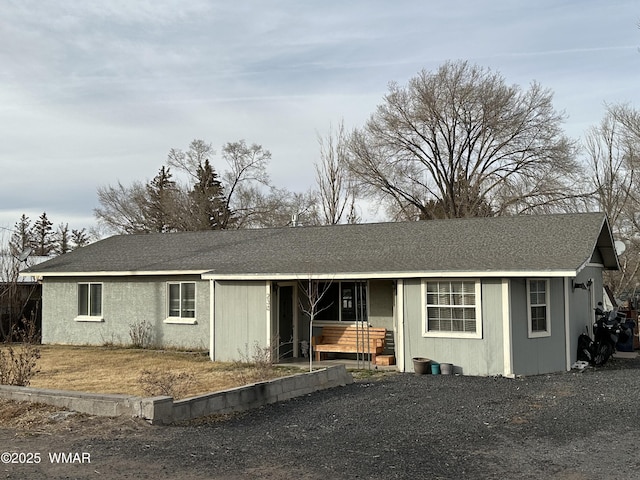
(608,329)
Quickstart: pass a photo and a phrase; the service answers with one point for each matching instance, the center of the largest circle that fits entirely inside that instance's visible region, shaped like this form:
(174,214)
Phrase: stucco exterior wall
(470,356)
(242,319)
(125,301)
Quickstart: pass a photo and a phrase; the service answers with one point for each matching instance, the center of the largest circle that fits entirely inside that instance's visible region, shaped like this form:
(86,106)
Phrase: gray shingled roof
(545,243)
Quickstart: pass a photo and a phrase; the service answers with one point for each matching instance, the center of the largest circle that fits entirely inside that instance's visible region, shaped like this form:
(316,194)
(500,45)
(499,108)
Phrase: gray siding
(125,301)
(240,319)
(470,356)
(581,305)
(537,355)
(381,309)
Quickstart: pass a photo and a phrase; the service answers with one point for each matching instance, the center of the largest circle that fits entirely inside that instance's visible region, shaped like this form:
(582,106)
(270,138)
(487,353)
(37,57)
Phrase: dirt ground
(121,370)
(570,426)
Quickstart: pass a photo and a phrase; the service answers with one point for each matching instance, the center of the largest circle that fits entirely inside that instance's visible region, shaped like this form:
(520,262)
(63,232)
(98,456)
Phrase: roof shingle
(564,242)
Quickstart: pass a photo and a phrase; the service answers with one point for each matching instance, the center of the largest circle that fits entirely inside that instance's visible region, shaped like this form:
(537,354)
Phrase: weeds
(18,360)
(111,342)
(171,384)
(141,333)
(254,365)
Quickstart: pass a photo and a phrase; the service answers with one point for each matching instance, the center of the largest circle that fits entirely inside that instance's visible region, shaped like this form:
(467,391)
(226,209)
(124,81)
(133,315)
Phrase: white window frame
(547,305)
(446,334)
(88,317)
(180,319)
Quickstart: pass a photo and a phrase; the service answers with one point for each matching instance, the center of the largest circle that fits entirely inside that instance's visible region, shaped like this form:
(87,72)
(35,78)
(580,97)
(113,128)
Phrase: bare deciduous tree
(461,142)
(122,208)
(336,189)
(278,207)
(188,161)
(246,180)
(613,157)
(247,172)
(311,297)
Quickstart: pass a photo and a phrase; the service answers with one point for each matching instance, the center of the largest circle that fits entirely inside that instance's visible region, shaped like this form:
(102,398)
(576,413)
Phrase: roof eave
(605,244)
(102,273)
(390,275)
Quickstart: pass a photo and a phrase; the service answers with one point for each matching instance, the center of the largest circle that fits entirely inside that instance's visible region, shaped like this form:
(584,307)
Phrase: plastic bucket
(446,368)
(421,365)
(435,368)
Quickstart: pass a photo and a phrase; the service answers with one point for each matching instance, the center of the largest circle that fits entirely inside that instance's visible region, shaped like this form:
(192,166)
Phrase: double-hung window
(89,302)
(538,308)
(181,302)
(452,308)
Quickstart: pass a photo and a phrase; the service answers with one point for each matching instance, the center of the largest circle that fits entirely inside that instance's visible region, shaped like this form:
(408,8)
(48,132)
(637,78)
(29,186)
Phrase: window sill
(87,318)
(181,321)
(539,334)
(456,335)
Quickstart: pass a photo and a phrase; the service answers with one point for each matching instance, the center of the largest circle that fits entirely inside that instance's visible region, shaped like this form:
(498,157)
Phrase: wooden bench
(350,339)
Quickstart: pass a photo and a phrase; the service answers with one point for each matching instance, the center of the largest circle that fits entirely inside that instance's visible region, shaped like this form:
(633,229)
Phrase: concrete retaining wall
(164,410)
(109,405)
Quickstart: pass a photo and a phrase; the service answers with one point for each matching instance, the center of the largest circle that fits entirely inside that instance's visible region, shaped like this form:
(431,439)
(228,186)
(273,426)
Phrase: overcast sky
(96,92)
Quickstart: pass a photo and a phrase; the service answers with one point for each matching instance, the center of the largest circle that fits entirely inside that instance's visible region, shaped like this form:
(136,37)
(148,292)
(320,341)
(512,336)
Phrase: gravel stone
(577,425)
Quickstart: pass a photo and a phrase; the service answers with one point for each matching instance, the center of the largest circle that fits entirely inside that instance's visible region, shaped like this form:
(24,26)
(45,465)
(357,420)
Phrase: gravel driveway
(577,425)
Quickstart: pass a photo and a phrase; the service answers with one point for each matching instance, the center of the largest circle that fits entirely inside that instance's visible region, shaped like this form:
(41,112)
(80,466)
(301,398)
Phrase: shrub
(141,333)
(18,360)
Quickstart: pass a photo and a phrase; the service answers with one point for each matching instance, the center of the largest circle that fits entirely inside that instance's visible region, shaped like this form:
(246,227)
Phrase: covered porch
(335,303)
(350,364)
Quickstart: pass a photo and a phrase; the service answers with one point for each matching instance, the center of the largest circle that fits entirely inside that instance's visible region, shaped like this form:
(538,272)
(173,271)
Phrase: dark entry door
(285,321)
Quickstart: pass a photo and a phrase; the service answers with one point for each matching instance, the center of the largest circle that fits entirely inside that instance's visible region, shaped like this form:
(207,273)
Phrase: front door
(286,330)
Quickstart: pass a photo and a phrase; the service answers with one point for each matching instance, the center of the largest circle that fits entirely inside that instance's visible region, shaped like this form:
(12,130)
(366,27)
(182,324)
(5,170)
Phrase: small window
(452,308)
(538,308)
(182,300)
(90,301)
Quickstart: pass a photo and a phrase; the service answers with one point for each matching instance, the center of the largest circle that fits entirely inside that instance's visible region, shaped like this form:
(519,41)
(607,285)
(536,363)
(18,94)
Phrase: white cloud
(95,92)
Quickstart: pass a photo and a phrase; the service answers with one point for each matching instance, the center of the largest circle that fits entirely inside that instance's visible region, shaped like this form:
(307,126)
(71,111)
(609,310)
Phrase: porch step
(385,360)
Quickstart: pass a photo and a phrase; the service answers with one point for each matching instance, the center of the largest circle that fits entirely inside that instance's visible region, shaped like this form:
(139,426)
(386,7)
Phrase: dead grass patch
(118,370)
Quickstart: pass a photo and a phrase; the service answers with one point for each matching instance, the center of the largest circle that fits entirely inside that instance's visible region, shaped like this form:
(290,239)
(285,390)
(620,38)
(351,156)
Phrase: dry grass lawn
(119,370)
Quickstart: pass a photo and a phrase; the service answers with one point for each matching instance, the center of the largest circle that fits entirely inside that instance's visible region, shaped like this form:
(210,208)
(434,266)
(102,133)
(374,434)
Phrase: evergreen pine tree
(43,241)
(160,207)
(79,238)
(209,205)
(63,244)
(21,239)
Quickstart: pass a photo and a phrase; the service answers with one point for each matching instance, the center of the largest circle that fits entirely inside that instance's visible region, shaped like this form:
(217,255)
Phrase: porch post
(296,338)
(212,320)
(268,313)
(567,325)
(400,325)
(506,329)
